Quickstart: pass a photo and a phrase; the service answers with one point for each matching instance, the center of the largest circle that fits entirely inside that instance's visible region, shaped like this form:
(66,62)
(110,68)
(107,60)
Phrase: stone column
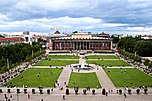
(80,46)
(110,45)
(86,45)
(55,45)
(83,45)
(77,45)
(60,46)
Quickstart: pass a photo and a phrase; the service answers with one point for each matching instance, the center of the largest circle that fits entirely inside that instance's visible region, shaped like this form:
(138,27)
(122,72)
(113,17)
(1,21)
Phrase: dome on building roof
(57,32)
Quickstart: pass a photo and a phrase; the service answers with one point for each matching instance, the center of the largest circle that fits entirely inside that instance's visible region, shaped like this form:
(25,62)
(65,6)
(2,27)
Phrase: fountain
(82,66)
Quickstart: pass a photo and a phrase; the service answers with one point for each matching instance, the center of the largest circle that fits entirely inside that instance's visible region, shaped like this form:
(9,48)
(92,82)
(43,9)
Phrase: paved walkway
(64,76)
(104,80)
(57,94)
(80,97)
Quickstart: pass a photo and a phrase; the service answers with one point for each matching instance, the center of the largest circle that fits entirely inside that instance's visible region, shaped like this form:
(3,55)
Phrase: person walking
(106,93)
(28,96)
(125,95)
(63,97)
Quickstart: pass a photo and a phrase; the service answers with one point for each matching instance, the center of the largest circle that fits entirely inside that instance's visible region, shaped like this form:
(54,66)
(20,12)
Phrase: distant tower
(56,29)
(27,37)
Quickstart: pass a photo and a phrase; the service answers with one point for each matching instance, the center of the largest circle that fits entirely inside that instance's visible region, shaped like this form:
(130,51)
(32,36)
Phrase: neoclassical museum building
(81,41)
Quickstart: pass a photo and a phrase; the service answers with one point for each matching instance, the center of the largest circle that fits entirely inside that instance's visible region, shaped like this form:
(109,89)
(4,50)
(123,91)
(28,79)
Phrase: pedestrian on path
(28,96)
(52,90)
(125,95)
(106,93)
(63,97)
(11,96)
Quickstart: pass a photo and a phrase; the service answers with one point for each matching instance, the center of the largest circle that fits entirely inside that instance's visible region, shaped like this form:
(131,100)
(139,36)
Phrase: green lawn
(108,62)
(134,76)
(63,57)
(83,80)
(35,77)
(102,57)
(56,62)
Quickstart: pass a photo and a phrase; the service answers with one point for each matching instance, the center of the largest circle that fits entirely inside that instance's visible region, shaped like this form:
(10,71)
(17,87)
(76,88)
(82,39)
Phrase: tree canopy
(17,53)
(136,45)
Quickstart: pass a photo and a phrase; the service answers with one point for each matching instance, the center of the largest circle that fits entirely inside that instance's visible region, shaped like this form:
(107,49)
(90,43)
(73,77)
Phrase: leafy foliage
(136,45)
(17,53)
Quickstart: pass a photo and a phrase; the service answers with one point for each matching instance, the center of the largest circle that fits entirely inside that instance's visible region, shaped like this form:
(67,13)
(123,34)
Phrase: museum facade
(82,41)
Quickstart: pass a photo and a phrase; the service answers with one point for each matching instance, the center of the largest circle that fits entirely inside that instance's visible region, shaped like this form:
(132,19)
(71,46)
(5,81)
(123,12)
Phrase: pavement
(104,80)
(57,93)
(79,97)
(64,76)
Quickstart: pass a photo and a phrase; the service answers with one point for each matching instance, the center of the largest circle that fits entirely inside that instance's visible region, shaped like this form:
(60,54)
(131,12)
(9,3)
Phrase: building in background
(27,37)
(82,41)
(12,40)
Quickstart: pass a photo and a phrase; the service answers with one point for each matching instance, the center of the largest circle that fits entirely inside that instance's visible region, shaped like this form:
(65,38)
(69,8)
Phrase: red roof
(11,39)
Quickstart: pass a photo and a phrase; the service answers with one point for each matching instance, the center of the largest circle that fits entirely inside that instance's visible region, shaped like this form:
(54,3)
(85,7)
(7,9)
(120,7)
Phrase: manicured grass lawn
(83,80)
(35,77)
(108,62)
(102,57)
(63,57)
(56,62)
(134,76)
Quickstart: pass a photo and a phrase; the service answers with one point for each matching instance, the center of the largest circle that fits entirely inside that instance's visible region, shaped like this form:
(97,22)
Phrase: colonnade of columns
(82,45)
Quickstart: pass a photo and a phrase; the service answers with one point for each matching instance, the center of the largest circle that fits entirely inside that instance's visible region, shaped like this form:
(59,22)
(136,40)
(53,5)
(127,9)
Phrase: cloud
(140,29)
(114,25)
(93,15)
(44,24)
(136,28)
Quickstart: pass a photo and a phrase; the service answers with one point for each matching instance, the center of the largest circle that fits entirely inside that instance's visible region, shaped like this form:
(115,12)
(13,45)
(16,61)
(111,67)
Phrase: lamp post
(17,95)
(8,55)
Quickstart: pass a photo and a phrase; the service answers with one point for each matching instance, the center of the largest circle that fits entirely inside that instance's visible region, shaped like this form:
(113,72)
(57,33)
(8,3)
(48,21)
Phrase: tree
(146,63)
(136,45)
(115,39)
(127,43)
(143,48)
(17,53)
(150,65)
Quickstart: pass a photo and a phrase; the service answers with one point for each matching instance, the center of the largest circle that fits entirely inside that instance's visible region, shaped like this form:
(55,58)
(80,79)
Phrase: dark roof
(57,32)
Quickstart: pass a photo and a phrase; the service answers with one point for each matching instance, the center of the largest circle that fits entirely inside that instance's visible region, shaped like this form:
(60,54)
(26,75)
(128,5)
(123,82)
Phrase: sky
(96,16)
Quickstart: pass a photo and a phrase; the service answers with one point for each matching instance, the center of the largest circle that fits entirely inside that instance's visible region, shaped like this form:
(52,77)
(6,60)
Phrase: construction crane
(57,29)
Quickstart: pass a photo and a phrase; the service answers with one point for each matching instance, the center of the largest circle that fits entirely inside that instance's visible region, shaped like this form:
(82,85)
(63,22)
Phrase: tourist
(61,88)
(28,96)
(58,84)
(63,97)
(5,96)
(109,91)
(125,95)
(106,93)
(52,90)
(65,83)
(11,96)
